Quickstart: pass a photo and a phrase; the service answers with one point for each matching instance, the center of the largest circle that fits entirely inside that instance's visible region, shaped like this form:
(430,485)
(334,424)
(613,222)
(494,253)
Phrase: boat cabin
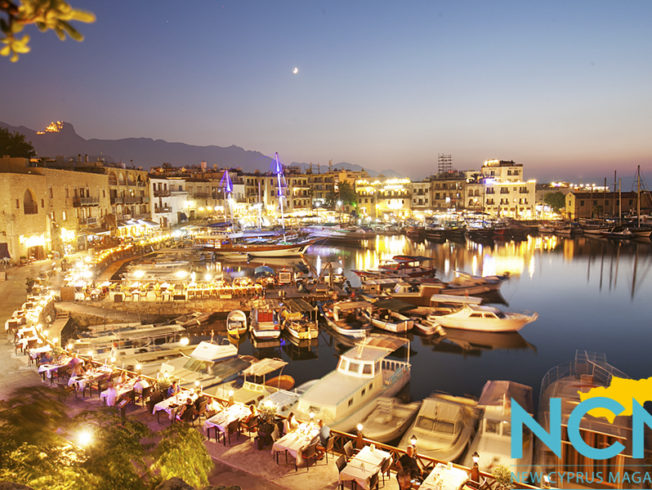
(362,374)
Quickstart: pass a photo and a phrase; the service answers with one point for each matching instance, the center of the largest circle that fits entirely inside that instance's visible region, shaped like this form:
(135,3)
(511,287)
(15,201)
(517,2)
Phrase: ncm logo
(552,439)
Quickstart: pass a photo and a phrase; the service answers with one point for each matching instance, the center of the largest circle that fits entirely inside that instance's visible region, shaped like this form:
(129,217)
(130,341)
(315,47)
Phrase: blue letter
(640,416)
(520,417)
(574,428)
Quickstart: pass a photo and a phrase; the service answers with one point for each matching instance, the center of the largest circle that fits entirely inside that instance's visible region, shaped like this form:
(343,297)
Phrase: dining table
(293,443)
(364,465)
(445,477)
(48,368)
(222,419)
(170,404)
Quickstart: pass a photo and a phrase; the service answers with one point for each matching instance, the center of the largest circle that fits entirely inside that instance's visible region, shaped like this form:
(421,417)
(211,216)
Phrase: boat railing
(393,365)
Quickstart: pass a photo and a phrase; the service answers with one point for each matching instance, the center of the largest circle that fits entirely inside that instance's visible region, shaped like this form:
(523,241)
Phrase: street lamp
(413,440)
(476,457)
(84,437)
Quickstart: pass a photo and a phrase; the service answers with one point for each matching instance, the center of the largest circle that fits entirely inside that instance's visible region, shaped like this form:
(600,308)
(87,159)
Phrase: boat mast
(638,196)
(279,171)
(620,201)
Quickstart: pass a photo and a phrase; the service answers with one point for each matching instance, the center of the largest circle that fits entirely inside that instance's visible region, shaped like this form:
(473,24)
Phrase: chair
(373,481)
(250,426)
(309,455)
(329,446)
(341,464)
(348,450)
(385,467)
(232,428)
(189,415)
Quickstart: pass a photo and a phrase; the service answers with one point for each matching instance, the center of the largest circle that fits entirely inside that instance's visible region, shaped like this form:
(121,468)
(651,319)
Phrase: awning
(264,366)
(385,342)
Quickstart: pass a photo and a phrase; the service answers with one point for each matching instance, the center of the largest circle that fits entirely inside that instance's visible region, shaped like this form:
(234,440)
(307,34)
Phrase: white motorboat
(346,318)
(345,396)
(389,419)
(389,320)
(443,427)
(492,441)
(427,327)
(284,401)
(264,320)
(484,319)
(236,323)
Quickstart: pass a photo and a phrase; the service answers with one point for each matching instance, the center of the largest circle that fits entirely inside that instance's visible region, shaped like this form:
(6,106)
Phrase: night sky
(562,87)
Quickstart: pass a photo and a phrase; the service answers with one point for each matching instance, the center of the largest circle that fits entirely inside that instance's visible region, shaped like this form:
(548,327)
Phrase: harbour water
(590,294)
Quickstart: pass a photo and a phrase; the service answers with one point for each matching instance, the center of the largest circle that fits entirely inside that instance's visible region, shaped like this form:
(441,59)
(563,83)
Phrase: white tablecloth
(223,418)
(48,368)
(445,477)
(364,465)
(177,400)
(297,440)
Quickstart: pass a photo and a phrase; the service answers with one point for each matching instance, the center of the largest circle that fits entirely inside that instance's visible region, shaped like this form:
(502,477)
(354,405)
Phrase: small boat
(300,319)
(346,318)
(492,441)
(389,320)
(254,386)
(443,427)
(264,319)
(389,419)
(236,323)
(427,327)
(284,401)
(345,396)
(266,249)
(484,319)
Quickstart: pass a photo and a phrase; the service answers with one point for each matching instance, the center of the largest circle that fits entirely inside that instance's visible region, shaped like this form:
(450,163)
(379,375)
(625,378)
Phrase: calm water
(590,294)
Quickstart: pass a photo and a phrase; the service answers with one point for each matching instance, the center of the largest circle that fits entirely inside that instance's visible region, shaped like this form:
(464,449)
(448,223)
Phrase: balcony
(161,192)
(133,199)
(78,202)
(162,209)
(89,221)
(117,200)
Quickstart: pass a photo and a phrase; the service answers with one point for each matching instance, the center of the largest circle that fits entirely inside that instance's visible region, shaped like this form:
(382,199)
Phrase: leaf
(5,51)
(72,32)
(82,16)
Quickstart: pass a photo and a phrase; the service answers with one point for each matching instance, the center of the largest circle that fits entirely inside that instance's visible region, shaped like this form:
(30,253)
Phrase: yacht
(345,396)
(492,441)
(389,320)
(484,319)
(443,427)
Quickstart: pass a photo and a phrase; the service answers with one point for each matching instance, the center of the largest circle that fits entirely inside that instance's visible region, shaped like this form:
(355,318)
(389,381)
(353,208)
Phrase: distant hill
(147,152)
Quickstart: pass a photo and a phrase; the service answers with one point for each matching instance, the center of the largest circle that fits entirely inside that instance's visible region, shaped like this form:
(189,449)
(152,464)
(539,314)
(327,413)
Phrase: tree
(54,15)
(181,453)
(14,144)
(556,200)
(347,194)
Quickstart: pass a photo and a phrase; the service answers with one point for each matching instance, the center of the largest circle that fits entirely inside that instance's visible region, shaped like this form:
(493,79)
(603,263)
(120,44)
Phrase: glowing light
(184,341)
(84,437)
(295,70)
(181,274)
(139,274)
(359,427)
(139,366)
(53,127)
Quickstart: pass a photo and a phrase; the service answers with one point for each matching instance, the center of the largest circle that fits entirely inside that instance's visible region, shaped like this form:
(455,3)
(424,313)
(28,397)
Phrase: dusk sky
(563,87)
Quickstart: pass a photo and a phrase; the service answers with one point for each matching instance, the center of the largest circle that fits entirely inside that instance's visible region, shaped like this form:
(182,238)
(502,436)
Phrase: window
(51,193)
(354,367)
(367,369)
(364,390)
(350,402)
(63,215)
(491,426)
(17,203)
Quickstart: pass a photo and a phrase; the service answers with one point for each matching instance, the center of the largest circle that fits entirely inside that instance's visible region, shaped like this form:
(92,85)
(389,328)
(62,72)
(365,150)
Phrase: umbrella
(263,270)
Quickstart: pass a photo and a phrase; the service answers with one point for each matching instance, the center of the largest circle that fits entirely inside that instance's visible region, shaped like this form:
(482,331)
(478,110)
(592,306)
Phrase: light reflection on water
(590,294)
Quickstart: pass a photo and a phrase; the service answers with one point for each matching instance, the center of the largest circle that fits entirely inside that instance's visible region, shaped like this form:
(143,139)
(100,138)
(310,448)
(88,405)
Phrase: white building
(169,198)
(506,193)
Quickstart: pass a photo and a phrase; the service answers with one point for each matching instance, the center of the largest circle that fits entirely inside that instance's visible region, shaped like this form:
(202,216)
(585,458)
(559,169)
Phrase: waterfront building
(421,200)
(170,201)
(506,193)
(129,193)
(384,198)
(447,191)
(602,203)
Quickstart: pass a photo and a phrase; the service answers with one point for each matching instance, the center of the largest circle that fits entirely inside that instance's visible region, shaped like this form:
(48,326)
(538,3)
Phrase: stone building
(169,200)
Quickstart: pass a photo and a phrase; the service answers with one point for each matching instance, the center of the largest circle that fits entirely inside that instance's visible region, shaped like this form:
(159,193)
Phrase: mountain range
(148,152)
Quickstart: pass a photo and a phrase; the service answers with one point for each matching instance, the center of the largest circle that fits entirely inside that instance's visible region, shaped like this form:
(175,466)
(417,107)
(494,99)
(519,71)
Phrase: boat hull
(512,324)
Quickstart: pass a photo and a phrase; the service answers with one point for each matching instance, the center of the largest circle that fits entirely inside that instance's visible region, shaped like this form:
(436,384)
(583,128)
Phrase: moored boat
(443,427)
(346,318)
(484,319)
(345,396)
(264,319)
(236,323)
(389,419)
(389,320)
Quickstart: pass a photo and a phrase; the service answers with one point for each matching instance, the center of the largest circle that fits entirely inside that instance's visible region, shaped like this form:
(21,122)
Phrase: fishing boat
(299,319)
(236,323)
(484,319)
(443,427)
(389,320)
(265,322)
(345,396)
(389,419)
(255,386)
(346,318)
(492,441)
